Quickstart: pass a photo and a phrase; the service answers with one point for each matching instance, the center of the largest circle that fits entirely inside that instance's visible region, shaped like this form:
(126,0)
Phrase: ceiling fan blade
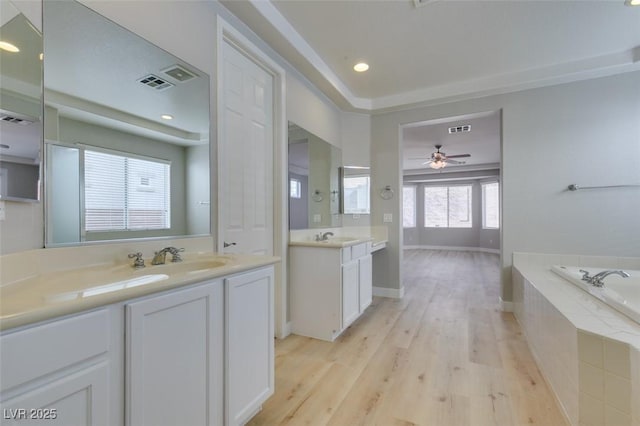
(455,161)
(459,156)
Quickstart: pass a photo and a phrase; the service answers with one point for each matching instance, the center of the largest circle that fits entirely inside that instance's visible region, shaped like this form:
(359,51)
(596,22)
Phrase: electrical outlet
(387,218)
(356,216)
(3,213)
(317,218)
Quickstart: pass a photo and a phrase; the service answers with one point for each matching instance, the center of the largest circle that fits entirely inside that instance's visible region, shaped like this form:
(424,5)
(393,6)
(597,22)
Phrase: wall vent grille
(15,120)
(460,129)
(155,82)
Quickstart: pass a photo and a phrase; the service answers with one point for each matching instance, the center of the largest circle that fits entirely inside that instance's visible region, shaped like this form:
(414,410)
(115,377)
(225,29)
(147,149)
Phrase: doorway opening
(452,189)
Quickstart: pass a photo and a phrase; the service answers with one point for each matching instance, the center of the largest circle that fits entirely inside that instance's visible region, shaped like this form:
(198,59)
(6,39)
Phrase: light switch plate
(387,218)
(3,213)
(317,218)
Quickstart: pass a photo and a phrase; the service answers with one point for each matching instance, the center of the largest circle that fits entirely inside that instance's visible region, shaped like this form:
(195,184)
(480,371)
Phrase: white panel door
(174,358)
(246,155)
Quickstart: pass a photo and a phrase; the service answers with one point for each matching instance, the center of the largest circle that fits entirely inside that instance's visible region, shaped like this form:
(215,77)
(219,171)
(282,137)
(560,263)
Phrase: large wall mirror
(314,180)
(126,133)
(20,105)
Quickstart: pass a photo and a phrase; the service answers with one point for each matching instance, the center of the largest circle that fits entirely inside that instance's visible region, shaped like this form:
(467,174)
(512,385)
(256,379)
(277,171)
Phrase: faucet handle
(175,252)
(139,262)
(586,276)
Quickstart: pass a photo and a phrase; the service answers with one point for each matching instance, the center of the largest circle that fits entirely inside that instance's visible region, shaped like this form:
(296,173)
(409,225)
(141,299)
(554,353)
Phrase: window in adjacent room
(409,206)
(448,206)
(295,188)
(124,193)
(491,205)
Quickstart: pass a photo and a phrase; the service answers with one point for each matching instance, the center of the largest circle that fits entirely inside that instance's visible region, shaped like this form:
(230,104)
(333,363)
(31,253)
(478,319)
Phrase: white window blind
(491,205)
(125,193)
(448,206)
(409,206)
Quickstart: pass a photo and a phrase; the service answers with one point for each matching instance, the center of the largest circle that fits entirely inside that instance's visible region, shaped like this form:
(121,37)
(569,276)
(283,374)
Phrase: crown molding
(600,66)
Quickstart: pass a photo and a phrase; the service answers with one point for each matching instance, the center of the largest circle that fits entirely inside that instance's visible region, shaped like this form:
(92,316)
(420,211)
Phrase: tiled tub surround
(378,235)
(38,285)
(587,351)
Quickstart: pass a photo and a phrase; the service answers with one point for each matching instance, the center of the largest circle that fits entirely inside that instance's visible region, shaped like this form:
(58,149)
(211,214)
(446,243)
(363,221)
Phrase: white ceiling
(482,142)
(91,73)
(444,49)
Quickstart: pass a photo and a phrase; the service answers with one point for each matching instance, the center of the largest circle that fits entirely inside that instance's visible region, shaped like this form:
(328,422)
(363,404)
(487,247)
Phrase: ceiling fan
(439,159)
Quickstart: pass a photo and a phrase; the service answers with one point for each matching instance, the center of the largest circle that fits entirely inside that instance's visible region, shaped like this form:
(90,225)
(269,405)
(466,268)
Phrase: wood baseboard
(452,248)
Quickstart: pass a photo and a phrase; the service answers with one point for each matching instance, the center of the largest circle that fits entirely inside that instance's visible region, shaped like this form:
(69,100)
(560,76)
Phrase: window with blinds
(491,205)
(408,206)
(447,206)
(125,193)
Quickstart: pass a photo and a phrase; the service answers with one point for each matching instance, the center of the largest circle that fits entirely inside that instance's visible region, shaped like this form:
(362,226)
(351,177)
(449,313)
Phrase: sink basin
(186,267)
(340,239)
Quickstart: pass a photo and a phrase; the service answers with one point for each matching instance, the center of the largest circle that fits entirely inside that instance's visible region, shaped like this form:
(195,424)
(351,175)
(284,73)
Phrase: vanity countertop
(46,296)
(333,242)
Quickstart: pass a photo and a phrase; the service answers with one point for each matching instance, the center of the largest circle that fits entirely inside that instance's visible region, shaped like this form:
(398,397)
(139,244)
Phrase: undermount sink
(188,266)
(340,239)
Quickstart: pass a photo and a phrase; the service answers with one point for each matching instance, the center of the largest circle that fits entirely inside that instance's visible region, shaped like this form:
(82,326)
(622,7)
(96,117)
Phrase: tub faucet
(597,279)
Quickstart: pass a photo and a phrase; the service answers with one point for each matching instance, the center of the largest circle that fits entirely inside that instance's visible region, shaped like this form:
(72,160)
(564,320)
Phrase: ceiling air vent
(10,118)
(155,82)
(460,129)
(179,73)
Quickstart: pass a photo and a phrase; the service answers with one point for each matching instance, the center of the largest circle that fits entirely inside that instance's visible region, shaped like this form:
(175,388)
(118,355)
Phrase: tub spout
(597,279)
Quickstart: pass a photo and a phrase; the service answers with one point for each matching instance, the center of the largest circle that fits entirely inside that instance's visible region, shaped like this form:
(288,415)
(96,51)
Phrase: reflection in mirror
(355,190)
(20,105)
(126,133)
(314,181)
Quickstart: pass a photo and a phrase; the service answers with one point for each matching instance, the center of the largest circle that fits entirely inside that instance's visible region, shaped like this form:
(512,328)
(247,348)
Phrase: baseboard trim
(286,330)
(452,248)
(394,293)
(506,306)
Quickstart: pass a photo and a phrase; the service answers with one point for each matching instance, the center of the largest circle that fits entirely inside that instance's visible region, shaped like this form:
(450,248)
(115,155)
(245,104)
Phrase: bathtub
(622,294)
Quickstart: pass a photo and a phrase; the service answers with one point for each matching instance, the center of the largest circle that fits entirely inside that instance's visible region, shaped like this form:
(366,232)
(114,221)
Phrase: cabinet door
(80,398)
(365,265)
(174,358)
(350,298)
(249,343)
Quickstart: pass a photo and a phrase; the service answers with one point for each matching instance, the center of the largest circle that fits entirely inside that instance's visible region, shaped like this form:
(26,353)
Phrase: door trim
(226,33)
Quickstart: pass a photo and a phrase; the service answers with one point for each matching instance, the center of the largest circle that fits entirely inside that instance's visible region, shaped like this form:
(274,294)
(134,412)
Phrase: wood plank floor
(443,355)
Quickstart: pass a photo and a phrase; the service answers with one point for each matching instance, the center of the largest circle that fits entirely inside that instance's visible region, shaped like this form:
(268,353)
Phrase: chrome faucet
(325,236)
(160,256)
(139,261)
(597,279)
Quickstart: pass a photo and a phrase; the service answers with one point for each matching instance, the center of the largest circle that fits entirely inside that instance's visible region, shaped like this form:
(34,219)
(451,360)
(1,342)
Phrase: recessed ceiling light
(167,117)
(5,45)
(361,67)
(632,2)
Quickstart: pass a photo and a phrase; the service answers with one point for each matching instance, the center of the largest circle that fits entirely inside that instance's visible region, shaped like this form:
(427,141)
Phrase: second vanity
(184,343)
(330,280)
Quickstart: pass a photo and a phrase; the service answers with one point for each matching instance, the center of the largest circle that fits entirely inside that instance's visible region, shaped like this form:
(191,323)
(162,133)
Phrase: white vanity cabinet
(174,351)
(64,372)
(330,288)
(200,354)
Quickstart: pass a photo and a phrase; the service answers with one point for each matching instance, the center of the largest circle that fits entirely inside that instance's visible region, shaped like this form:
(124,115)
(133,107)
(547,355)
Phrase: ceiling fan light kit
(439,160)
